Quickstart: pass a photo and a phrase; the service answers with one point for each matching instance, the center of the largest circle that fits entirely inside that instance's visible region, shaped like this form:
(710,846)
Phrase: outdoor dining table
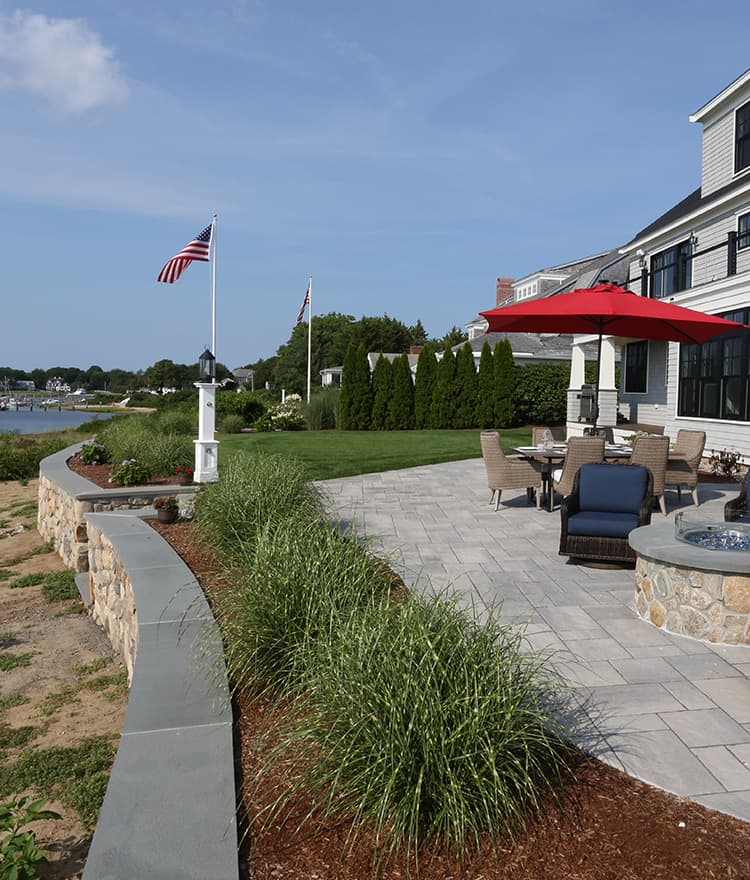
(556,453)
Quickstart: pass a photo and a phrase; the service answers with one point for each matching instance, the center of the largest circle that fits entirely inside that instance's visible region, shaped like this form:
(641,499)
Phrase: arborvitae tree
(444,396)
(466,388)
(382,389)
(362,398)
(401,408)
(424,385)
(504,384)
(486,392)
(348,389)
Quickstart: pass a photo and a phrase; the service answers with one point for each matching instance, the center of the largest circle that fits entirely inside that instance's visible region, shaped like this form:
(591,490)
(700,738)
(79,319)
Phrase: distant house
(331,377)
(57,383)
(534,348)
(245,377)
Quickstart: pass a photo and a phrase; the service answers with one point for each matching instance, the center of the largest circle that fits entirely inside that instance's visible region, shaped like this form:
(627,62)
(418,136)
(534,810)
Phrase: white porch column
(206,447)
(577,378)
(607,365)
(577,367)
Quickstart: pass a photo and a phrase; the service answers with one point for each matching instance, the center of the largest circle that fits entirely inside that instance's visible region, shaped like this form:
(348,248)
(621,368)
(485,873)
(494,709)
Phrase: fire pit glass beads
(734,537)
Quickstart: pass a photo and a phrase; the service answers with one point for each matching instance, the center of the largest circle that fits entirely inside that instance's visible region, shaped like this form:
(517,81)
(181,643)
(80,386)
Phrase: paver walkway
(677,710)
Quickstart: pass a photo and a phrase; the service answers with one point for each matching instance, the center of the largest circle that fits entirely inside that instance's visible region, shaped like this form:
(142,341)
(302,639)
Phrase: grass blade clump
(253,492)
(154,441)
(423,724)
(297,581)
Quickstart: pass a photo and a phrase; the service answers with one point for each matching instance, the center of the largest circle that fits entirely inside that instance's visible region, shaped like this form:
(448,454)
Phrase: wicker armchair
(581,450)
(504,472)
(652,452)
(737,509)
(608,501)
(684,460)
(600,431)
(556,432)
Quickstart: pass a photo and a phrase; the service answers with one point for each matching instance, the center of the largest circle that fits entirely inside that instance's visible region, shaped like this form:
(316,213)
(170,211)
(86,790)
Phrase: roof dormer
(726,136)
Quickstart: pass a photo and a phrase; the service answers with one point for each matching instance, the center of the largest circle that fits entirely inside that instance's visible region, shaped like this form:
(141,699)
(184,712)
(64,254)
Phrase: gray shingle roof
(534,346)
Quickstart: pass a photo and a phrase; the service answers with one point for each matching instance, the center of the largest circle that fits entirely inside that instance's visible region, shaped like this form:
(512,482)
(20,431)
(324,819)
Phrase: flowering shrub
(285,416)
(130,473)
(724,463)
(94,453)
(184,470)
(168,502)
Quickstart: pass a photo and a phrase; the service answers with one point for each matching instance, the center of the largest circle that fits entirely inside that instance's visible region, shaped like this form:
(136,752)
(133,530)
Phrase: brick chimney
(503,290)
(415,349)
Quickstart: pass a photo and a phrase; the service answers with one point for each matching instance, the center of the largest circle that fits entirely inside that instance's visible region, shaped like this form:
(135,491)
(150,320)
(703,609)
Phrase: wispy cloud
(59,59)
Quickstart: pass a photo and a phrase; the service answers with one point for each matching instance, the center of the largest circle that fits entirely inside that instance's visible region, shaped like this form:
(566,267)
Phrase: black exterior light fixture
(206,367)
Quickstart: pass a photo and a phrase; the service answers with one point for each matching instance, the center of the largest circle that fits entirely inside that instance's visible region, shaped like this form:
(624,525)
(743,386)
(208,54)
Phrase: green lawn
(329,454)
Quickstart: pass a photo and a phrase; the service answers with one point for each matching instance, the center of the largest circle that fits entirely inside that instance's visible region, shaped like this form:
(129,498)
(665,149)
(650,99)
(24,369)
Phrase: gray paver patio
(676,712)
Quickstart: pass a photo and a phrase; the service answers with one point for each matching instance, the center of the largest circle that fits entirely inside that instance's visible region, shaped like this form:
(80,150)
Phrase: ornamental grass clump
(253,491)
(291,586)
(145,439)
(424,725)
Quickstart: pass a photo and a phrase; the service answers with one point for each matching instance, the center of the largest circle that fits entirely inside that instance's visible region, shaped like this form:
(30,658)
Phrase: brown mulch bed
(615,827)
(99,474)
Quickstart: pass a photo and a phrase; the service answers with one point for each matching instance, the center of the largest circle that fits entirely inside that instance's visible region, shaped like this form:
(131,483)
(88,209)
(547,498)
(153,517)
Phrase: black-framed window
(742,138)
(743,232)
(715,377)
(671,271)
(636,367)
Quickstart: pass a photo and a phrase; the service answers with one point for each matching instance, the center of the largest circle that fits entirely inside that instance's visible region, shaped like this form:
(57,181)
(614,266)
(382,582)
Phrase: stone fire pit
(688,589)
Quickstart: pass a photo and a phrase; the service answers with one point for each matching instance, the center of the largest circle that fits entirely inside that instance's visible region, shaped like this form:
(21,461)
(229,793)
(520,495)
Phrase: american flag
(198,249)
(305,302)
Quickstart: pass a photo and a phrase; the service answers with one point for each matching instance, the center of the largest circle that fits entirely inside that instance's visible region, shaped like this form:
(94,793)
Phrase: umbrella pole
(598,369)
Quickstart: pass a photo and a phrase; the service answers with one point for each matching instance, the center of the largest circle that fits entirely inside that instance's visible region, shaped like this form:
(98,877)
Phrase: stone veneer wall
(65,498)
(692,602)
(112,600)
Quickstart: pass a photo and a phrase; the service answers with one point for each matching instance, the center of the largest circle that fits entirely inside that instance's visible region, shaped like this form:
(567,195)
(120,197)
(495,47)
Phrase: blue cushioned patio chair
(608,501)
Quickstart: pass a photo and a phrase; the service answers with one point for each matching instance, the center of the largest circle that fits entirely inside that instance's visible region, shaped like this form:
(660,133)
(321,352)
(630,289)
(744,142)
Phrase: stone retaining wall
(65,498)
(112,600)
(170,806)
(692,602)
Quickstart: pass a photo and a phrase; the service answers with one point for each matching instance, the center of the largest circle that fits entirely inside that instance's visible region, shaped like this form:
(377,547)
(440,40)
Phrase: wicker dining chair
(507,472)
(581,450)
(554,432)
(653,452)
(684,460)
(605,431)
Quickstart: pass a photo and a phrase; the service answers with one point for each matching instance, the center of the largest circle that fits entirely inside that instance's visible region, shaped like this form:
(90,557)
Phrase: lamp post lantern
(206,447)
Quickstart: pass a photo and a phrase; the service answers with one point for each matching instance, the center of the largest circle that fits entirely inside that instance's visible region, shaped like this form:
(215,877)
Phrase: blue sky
(403,154)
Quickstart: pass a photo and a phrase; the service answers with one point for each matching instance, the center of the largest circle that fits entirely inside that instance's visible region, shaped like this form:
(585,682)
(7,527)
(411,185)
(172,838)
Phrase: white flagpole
(309,334)
(213,287)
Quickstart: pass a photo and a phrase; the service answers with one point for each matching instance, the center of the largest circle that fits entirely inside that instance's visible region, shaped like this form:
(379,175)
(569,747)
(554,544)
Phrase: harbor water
(37,420)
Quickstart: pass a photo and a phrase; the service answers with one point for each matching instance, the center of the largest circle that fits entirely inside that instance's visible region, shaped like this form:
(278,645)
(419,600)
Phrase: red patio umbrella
(607,309)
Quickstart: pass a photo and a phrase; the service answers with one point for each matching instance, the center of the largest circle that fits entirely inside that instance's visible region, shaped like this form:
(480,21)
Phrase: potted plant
(183,474)
(167,509)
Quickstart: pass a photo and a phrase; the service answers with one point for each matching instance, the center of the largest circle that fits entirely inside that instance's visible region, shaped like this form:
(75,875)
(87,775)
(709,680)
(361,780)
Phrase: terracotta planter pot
(167,516)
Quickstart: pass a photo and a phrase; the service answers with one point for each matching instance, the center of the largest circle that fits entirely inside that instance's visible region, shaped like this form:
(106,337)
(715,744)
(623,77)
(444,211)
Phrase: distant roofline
(558,270)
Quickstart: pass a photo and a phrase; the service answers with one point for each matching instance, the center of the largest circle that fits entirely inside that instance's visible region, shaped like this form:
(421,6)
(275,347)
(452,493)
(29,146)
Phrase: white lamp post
(206,447)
